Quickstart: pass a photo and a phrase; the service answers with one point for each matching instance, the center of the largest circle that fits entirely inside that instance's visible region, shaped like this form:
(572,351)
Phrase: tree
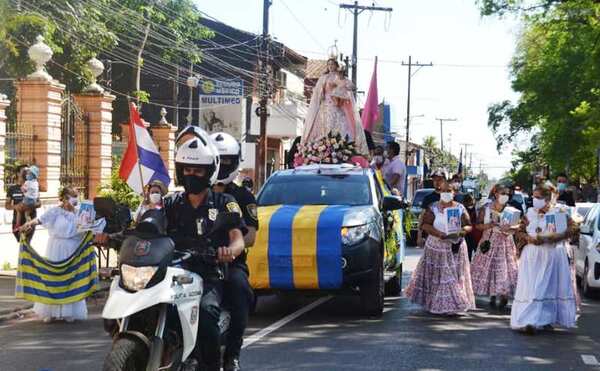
(437,158)
(556,69)
(75,30)
(501,7)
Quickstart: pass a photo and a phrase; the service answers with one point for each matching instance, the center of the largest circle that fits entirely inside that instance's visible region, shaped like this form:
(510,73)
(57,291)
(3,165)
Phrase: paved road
(332,337)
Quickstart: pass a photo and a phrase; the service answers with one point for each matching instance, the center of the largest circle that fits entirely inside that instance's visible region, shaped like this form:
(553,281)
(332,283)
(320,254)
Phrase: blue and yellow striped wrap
(63,282)
(298,247)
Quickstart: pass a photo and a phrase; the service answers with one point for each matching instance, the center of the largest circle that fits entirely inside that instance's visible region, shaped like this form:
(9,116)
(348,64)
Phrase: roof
(324,170)
(315,68)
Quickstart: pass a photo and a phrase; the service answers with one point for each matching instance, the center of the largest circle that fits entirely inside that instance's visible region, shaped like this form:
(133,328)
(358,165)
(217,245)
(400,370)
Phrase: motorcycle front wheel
(126,355)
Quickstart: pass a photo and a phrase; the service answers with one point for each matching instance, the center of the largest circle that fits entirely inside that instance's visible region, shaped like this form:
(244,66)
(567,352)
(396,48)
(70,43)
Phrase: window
(313,189)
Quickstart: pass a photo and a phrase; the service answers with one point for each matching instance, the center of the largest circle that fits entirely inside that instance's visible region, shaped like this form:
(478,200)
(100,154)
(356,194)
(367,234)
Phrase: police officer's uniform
(184,223)
(238,293)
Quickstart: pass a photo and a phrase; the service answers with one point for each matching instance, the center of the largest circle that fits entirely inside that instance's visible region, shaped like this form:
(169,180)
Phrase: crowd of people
(523,258)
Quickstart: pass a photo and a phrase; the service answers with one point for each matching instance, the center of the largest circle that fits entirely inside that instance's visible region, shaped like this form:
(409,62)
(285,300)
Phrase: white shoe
(69,319)
(47,319)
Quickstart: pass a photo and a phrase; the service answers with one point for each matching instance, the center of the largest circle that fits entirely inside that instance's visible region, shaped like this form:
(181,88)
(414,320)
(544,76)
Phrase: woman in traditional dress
(153,199)
(441,283)
(494,268)
(63,241)
(332,112)
(544,295)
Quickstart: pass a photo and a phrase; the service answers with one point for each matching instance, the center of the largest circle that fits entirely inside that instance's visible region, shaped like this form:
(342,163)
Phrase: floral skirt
(545,294)
(441,283)
(495,272)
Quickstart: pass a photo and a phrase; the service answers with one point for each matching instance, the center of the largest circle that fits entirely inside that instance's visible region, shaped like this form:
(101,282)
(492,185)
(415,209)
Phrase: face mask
(503,199)
(562,187)
(29,177)
(446,197)
(539,203)
(155,198)
(73,201)
(378,160)
(195,185)
(386,154)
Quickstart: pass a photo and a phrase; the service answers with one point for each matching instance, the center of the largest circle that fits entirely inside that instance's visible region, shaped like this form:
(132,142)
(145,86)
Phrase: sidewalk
(11,307)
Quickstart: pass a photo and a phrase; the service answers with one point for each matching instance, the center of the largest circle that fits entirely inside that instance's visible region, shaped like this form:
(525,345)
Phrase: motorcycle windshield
(139,252)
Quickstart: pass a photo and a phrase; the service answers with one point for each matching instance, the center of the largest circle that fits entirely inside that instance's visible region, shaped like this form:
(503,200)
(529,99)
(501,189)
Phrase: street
(332,337)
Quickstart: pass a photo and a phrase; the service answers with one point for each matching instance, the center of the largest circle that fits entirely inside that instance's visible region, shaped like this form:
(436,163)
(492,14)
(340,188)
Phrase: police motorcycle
(155,300)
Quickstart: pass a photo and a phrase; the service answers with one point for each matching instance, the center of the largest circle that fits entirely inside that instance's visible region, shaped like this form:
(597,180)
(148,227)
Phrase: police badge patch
(252,211)
(212,214)
(234,208)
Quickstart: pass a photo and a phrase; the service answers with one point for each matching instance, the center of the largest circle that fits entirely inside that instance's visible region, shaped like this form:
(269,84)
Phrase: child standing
(31,194)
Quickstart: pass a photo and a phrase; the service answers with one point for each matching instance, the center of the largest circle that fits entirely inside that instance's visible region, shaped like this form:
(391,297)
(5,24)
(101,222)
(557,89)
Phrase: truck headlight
(354,235)
(136,278)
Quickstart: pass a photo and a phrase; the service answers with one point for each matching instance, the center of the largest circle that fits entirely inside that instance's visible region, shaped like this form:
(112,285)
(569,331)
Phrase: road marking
(590,360)
(282,322)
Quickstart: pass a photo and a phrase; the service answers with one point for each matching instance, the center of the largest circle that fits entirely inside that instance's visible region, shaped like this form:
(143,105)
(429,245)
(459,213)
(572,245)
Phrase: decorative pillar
(39,103)
(4,103)
(97,105)
(163,134)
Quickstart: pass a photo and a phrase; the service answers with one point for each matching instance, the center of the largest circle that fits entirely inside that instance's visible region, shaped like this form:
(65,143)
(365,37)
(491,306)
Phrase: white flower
(322,148)
(335,160)
(345,158)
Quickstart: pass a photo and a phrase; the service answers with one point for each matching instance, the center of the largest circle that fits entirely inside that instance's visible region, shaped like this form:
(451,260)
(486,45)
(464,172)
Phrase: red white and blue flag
(141,162)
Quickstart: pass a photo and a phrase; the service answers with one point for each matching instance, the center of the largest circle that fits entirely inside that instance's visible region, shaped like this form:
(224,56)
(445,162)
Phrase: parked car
(416,210)
(328,228)
(587,252)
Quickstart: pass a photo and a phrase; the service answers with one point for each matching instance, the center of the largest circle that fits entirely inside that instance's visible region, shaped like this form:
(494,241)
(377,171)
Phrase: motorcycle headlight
(354,235)
(136,278)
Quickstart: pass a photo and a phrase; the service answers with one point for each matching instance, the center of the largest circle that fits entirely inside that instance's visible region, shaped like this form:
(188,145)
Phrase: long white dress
(544,294)
(63,240)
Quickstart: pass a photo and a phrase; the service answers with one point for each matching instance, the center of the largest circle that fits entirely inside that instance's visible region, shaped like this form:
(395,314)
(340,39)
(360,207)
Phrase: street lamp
(191,82)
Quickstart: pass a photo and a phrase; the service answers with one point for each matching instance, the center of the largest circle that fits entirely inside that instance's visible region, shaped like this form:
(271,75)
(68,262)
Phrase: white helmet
(230,153)
(189,132)
(197,151)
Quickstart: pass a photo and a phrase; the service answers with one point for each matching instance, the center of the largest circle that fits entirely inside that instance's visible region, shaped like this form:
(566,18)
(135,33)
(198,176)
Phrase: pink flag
(370,113)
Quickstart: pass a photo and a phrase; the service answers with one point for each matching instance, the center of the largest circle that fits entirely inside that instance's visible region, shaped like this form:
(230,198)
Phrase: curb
(23,311)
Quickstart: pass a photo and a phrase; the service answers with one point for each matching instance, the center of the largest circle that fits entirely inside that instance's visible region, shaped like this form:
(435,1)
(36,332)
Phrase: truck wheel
(393,287)
(372,292)
(126,355)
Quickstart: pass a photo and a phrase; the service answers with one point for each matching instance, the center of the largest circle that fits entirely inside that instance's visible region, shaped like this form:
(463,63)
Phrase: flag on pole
(370,113)
(141,162)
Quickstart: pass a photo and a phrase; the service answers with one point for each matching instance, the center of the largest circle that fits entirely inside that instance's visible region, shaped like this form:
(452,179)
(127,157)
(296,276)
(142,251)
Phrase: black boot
(232,364)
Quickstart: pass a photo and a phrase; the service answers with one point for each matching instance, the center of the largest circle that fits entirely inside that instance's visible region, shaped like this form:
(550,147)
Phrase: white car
(587,252)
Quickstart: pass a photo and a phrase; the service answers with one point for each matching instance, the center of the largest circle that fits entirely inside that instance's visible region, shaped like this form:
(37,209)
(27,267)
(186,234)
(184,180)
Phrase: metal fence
(74,146)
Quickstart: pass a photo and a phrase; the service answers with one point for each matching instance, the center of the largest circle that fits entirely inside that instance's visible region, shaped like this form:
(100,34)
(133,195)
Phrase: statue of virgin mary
(332,115)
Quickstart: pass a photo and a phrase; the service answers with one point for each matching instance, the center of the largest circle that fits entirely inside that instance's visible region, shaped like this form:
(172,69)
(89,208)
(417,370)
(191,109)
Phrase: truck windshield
(312,189)
(419,196)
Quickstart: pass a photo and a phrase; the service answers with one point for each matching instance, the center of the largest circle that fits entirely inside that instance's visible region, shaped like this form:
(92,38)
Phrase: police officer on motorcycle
(238,294)
(191,214)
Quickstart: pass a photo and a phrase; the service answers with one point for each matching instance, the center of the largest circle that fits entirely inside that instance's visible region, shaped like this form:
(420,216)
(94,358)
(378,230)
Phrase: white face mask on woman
(155,198)
(539,203)
(446,197)
(73,201)
(503,199)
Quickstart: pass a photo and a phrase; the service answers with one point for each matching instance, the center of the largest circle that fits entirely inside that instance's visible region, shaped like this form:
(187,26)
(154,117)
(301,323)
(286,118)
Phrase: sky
(470,55)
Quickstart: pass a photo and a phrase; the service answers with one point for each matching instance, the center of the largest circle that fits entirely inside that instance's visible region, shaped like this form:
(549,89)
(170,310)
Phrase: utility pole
(466,145)
(356,10)
(261,153)
(410,65)
(442,131)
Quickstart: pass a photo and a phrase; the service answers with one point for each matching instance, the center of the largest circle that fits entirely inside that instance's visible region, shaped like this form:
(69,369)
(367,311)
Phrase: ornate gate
(18,148)
(74,146)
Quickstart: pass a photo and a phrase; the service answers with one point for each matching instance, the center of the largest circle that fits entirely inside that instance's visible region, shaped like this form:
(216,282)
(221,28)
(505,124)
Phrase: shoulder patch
(233,207)
(252,211)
